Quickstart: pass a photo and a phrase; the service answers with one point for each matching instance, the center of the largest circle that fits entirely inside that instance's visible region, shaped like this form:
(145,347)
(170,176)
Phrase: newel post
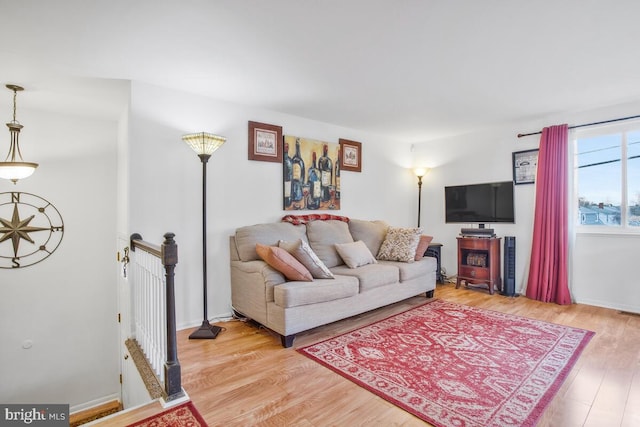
(172,381)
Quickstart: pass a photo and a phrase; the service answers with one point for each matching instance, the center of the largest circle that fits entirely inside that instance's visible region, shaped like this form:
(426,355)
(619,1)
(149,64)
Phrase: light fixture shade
(204,143)
(13,167)
(16,170)
(420,172)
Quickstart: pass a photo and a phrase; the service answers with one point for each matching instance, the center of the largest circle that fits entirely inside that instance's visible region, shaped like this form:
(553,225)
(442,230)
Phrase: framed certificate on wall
(525,165)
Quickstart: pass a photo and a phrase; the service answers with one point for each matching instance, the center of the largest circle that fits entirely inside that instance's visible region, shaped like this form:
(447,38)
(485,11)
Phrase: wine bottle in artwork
(315,185)
(297,176)
(287,172)
(326,173)
(338,176)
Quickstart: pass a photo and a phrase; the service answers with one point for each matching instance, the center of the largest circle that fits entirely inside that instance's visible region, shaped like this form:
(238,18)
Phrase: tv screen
(480,203)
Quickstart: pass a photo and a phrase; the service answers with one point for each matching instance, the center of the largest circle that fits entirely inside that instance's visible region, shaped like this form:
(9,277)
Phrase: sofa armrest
(252,285)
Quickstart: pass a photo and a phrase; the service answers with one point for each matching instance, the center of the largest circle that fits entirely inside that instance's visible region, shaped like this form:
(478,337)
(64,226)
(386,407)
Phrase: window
(607,178)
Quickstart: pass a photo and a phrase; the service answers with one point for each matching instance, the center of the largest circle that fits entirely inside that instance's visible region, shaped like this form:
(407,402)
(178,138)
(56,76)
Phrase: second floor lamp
(204,144)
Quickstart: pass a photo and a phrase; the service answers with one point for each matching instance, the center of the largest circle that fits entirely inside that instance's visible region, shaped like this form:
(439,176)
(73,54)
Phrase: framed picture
(265,142)
(525,165)
(311,174)
(350,155)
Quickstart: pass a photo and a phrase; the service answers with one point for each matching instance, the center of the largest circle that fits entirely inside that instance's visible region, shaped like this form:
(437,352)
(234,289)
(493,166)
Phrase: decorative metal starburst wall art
(31,229)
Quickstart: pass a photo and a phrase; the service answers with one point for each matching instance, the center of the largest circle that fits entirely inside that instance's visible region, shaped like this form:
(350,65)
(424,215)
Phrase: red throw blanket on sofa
(303,219)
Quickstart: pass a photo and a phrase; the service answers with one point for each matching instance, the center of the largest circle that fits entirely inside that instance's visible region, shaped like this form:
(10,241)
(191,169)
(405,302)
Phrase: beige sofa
(264,294)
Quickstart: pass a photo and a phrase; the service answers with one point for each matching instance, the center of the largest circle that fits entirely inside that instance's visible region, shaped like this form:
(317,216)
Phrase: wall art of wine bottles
(311,174)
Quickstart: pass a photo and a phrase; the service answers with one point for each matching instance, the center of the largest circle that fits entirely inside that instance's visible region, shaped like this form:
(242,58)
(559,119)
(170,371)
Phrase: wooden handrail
(138,243)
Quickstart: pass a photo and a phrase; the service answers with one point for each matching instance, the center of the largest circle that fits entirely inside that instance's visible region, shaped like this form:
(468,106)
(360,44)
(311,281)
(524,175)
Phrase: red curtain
(548,271)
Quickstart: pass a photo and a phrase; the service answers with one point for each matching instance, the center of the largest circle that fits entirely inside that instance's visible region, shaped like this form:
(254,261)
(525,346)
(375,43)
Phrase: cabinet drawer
(478,243)
(470,272)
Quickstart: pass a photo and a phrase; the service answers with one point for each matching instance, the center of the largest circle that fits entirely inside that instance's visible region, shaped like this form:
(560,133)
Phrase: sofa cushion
(323,235)
(423,244)
(355,254)
(372,233)
(265,234)
(293,294)
(303,253)
(412,270)
(370,276)
(284,262)
(400,244)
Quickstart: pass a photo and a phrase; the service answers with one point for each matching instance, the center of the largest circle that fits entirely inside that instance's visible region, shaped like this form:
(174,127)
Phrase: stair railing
(153,308)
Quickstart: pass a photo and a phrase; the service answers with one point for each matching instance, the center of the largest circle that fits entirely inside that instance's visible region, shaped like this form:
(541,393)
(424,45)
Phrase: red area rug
(183,415)
(454,365)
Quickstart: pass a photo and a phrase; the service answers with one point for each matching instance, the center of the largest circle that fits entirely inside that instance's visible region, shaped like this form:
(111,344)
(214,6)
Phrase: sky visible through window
(600,183)
(599,174)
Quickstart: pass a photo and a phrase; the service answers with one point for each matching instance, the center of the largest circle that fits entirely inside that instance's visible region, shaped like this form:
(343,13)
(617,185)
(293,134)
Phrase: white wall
(603,272)
(469,159)
(602,266)
(110,179)
(166,175)
(65,304)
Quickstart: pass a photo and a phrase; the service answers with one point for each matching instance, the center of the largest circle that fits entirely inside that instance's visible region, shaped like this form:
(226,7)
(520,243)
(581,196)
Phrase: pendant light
(13,167)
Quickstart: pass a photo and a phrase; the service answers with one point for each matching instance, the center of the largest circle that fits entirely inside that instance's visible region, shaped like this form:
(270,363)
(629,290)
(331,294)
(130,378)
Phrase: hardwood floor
(245,378)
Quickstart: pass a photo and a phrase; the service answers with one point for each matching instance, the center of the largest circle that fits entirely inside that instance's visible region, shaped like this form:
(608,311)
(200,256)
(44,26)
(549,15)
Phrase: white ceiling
(414,69)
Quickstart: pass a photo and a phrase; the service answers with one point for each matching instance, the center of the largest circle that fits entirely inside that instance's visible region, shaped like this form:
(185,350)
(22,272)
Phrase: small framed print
(525,165)
(265,142)
(350,155)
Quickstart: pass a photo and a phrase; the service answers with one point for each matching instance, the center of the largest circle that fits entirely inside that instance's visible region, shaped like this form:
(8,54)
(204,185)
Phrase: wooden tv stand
(479,262)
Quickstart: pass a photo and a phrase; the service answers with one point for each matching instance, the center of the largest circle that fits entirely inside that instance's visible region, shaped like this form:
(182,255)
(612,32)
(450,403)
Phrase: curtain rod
(520,135)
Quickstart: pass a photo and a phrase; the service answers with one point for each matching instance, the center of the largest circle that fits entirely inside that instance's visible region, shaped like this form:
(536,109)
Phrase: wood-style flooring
(245,378)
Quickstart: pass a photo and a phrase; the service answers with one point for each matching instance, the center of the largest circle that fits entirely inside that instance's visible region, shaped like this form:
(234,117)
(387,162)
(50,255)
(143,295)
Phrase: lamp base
(205,331)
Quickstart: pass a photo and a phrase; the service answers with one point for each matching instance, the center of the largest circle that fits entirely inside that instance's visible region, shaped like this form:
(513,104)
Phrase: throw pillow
(400,244)
(284,262)
(423,244)
(355,254)
(303,253)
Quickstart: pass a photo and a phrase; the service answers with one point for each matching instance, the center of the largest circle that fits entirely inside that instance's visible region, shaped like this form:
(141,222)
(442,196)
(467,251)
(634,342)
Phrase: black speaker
(509,276)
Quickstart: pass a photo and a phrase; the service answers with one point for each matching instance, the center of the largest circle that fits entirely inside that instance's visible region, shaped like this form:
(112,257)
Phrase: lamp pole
(420,172)
(206,330)
(419,197)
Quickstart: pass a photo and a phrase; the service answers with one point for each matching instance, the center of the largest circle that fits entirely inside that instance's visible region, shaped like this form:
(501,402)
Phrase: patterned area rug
(184,415)
(454,365)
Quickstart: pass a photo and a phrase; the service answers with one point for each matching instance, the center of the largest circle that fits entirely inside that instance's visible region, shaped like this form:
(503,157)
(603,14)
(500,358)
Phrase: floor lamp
(420,172)
(204,144)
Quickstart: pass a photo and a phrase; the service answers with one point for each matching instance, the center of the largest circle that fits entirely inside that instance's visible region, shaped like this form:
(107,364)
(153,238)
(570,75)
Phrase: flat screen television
(490,202)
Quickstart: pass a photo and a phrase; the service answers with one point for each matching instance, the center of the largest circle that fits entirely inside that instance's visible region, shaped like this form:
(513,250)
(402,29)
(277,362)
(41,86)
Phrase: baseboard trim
(171,403)
(225,317)
(94,403)
(607,304)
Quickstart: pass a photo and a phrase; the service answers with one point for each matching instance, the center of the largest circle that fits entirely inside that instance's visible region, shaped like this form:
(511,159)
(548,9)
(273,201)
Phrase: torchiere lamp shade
(203,142)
